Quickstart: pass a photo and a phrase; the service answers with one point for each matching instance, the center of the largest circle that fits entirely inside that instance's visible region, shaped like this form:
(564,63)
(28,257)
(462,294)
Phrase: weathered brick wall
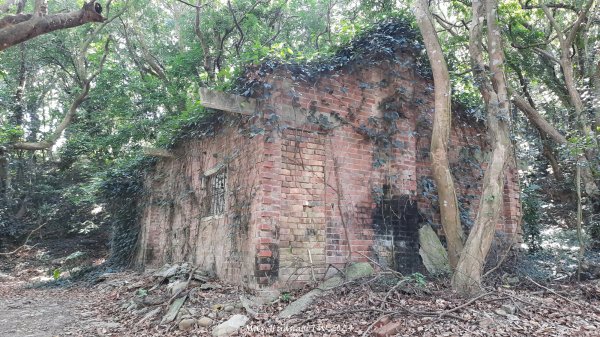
(340,174)
(365,180)
(175,226)
(333,173)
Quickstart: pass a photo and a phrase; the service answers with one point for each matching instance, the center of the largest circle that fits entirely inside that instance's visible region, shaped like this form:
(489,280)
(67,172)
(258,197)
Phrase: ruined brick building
(307,166)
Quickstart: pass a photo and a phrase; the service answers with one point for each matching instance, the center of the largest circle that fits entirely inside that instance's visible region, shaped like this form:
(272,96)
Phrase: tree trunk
(590,186)
(3,174)
(450,216)
(467,276)
(18,28)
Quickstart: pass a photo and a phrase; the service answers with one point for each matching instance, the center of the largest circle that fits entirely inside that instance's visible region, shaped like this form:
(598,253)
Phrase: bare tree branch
(191,5)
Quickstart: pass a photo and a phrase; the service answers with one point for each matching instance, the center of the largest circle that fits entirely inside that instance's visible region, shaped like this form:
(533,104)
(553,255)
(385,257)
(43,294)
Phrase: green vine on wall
(120,190)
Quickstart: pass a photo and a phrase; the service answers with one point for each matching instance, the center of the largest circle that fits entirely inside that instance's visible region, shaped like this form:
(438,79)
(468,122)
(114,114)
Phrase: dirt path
(48,312)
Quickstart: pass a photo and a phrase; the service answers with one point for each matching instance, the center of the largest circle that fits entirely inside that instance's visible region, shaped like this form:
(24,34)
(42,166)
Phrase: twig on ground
(187,283)
(386,312)
(400,282)
(465,304)
(552,291)
(312,269)
(534,305)
(26,240)
(561,296)
(398,274)
(506,253)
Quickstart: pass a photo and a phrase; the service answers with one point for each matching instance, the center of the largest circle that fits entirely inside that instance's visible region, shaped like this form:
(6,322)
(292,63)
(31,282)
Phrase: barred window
(215,193)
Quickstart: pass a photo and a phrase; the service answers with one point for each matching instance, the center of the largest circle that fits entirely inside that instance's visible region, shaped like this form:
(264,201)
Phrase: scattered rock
(183,313)
(229,308)
(512,317)
(247,304)
(509,309)
(300,304)
(149,315)
(358,270)
(167,271)
(173,310)
(230,326)
(210,286)
(201,276)
(205,322)
(389,329)
(187,324)
(217,307)
(268,295)
(433,253)
(150,300)
(484,323)
(513,280)
(178,287)
(500,312)
(352,272)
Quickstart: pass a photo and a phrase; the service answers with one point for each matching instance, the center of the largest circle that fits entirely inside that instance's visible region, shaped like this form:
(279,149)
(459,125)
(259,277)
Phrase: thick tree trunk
(449,212)
(15,29)
(467,276)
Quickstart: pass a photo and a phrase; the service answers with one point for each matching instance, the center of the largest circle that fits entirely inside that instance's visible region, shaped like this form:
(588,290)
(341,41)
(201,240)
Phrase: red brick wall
(315,183)
(174,223)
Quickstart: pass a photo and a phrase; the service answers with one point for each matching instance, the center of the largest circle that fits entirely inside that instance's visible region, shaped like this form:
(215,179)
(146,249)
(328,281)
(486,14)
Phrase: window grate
(215,198)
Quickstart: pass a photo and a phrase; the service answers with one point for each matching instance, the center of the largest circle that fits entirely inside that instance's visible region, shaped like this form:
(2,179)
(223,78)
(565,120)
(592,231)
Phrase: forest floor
(37,299)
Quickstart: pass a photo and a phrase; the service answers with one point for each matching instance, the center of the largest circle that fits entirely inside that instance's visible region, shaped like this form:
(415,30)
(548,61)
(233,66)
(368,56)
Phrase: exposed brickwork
(302,224)
(174,224)
(340,175)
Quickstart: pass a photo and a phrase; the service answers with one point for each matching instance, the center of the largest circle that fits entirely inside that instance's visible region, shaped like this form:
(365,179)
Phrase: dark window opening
(215,197)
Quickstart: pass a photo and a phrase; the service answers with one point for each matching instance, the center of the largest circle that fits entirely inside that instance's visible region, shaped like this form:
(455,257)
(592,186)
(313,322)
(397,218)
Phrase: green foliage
(10,134)
(56,274)
(121,189)
(286,297)
(141,292)
(417,279)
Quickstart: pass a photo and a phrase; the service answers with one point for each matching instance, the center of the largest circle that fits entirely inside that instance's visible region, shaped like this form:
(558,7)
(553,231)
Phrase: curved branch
(537,119)
(17,29)
(52,138)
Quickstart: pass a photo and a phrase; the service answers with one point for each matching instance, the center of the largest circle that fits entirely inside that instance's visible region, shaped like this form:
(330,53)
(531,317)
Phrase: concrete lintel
(227,102)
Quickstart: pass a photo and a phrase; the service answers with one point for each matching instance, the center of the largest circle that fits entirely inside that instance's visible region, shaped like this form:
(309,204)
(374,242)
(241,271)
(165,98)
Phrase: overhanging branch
(15,29)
